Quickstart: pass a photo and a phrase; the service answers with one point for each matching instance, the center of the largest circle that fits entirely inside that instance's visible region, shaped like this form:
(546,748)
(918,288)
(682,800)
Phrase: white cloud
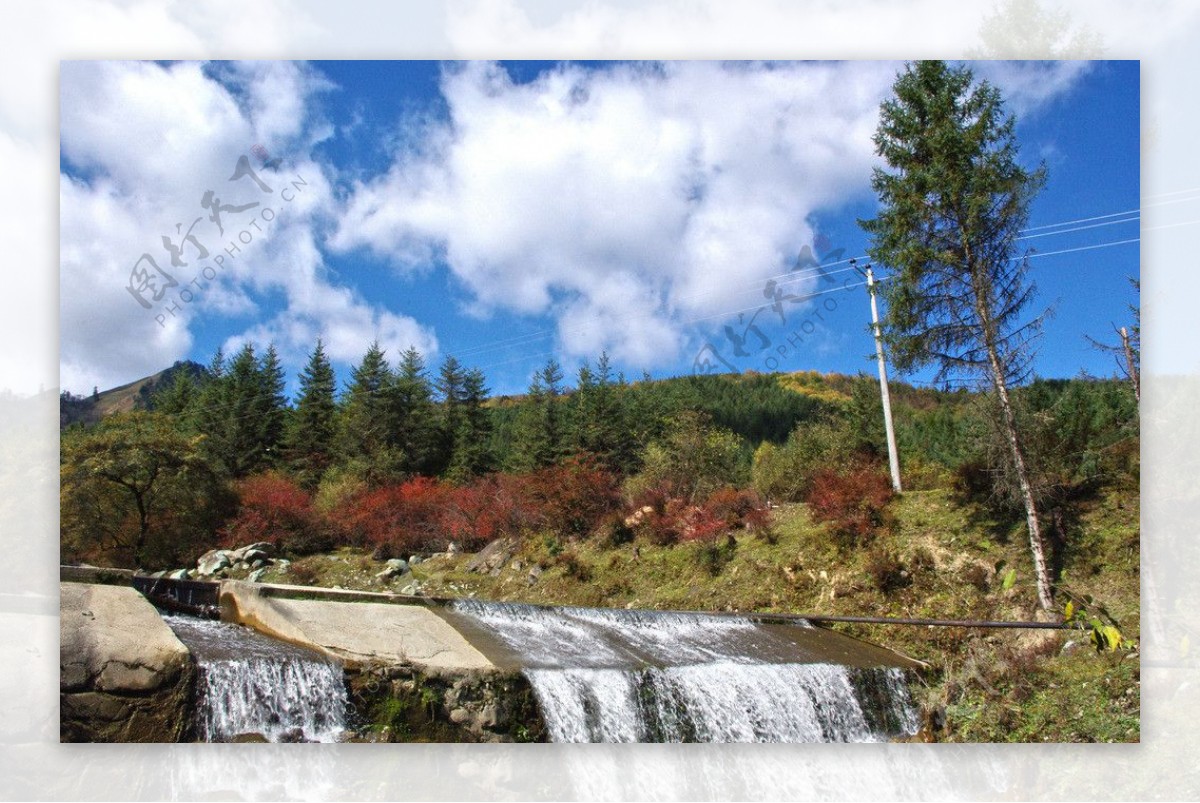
(144,143)
(624,201)
(1030,85)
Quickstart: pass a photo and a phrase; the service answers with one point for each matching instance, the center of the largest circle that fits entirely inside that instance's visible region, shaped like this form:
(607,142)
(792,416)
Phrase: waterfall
(624,676)
(250,683)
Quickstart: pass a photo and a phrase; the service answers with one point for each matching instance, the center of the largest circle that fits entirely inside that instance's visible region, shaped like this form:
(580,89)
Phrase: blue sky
(508,213)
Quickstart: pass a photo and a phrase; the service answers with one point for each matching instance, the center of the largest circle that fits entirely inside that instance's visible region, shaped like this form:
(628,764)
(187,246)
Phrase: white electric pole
(893,458)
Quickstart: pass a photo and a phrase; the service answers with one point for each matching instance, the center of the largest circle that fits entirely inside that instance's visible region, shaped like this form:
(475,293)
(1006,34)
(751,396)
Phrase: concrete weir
(455,670)
(353,627)
(437,635)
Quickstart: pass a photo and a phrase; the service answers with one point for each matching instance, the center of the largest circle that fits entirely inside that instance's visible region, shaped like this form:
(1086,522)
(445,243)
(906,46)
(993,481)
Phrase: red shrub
(570,498)
(725,509)
(399,519)
(478,513)
(854,502)
(272,508)
(738,508)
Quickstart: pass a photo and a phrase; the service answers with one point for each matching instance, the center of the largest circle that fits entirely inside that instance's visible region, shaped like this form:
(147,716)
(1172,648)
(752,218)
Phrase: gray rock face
(123,676)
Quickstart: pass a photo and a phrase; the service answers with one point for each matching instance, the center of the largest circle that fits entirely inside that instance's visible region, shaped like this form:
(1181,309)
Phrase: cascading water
(624,676)
(250,683)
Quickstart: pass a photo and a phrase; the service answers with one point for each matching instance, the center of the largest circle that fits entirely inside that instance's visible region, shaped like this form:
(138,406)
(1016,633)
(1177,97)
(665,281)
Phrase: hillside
(135,395)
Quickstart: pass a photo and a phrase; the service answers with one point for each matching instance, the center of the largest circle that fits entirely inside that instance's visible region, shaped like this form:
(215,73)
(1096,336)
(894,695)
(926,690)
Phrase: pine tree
(271,405)
(179,398)
(600,426)
(241,411)
(312,431)
(472,454)
(363,425)
(451,394)
(952,204)
(541,436)
(411,415)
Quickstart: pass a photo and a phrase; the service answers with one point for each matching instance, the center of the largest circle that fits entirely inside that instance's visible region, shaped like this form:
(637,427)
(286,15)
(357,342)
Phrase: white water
(250,683)
(617,676)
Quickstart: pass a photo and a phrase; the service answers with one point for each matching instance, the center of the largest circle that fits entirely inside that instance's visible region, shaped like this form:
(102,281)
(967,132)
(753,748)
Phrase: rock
(213,561)
(395,567)
(257,564)
(249,738)
(413,560)
(292,736)
(492,556)
(453,549)
(282,564)
(257,575)
(178,574)
(535,572)
(123,675)
(638,516)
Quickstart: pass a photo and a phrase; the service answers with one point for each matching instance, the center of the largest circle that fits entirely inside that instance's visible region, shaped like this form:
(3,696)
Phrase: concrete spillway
(644,676)
(249,683)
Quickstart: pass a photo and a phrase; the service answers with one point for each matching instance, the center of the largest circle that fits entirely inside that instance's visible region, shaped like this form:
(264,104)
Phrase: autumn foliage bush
(571,498)
(854,502)
(275,509)
(667,520)
(397,520)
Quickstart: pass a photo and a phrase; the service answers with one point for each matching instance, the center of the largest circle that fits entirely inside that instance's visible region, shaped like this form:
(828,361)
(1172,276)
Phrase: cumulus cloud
(627,200)
(143,144)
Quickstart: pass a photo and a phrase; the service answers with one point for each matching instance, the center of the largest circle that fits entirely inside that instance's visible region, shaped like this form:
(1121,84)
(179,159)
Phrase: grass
(991,685)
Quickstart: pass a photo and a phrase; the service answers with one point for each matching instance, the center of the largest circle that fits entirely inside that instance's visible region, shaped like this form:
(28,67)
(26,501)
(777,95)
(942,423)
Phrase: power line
(1080,228)
(1080,248)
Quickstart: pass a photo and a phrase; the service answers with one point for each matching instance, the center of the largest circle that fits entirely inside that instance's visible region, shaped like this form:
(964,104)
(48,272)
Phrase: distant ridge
(133,395)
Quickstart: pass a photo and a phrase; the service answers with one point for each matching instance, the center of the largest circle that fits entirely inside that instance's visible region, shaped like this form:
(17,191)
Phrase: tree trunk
(1036,545)
(1131,366)
(1009,420)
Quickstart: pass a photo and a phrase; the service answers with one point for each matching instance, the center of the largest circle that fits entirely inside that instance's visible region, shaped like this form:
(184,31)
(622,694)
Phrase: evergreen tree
(600,427)
(179,398)
(310,440)
(451,396)
(241,411)
(271,404)
(363,426)
(952,205)
(411,415)
(472,454)
(540,439)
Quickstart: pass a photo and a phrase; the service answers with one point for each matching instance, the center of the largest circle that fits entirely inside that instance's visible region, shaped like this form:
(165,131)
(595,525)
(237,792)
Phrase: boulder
(213,561)
(256,576)
(638,516)
(492,556)
(395,567)
(123,675)
(178,574)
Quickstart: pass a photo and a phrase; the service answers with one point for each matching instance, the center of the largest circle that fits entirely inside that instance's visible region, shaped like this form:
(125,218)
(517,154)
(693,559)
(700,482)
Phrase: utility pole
(893,458)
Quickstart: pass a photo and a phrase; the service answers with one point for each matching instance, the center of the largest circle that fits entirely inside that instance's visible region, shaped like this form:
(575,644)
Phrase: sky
(670,214)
